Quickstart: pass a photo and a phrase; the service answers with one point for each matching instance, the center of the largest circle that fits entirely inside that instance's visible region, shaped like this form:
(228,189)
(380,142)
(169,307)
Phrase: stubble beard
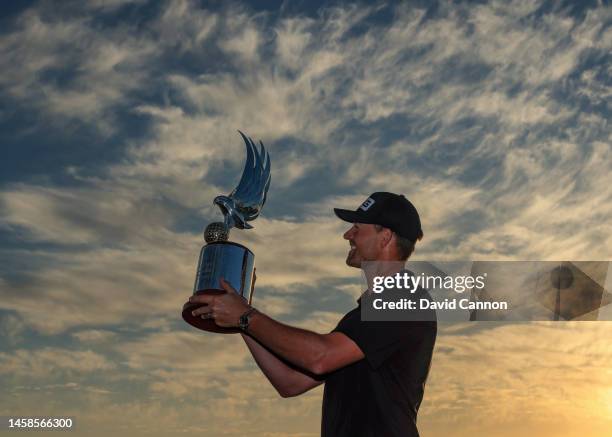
(352,259)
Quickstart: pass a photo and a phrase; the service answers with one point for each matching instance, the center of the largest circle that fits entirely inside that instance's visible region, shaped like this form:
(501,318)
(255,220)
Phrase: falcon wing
(250,194)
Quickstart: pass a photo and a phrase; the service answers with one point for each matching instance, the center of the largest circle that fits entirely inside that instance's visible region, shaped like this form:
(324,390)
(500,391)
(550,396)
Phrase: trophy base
(205,324)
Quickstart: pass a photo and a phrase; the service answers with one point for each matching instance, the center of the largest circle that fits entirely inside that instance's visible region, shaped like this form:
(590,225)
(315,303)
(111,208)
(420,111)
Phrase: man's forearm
(305,349)
(285,379)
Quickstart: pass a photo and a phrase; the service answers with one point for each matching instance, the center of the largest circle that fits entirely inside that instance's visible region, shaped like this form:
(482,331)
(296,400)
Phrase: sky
(118,126)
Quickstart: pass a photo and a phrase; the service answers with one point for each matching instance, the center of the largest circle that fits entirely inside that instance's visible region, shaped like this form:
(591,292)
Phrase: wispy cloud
(44,362)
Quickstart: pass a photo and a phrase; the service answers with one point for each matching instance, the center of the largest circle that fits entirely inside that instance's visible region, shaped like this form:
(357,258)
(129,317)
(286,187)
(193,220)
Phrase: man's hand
(225,309)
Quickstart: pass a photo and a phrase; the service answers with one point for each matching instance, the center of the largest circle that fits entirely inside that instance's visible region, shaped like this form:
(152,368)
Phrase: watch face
(243,321)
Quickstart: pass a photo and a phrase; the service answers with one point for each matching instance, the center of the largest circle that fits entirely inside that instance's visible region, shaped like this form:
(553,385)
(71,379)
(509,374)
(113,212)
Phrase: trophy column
(220,259)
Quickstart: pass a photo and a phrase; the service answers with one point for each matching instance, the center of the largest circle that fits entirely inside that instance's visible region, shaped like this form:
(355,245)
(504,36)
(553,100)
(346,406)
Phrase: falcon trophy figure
(231,261)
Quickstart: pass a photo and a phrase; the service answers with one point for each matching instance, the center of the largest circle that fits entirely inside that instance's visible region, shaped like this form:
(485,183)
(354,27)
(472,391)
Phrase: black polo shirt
(380,395)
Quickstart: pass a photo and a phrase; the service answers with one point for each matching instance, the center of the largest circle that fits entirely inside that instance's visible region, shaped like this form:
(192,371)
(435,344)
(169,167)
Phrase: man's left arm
(316,353)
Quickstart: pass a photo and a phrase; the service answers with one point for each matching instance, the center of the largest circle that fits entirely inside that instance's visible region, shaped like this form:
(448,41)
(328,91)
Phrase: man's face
(363,239)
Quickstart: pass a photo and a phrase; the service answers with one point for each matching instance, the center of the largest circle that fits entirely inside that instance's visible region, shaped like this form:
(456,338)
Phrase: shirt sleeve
(379,340)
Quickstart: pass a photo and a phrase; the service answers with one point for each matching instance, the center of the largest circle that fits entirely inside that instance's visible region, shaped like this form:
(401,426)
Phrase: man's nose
(348,234)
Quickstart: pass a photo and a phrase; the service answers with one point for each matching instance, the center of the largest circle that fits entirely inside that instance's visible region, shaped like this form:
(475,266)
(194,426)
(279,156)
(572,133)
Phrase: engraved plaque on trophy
(221,258)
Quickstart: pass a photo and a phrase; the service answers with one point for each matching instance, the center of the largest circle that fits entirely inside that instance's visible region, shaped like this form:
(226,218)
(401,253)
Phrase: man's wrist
(245,319)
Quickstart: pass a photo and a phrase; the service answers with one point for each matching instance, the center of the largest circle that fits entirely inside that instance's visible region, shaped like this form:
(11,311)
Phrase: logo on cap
(367,204)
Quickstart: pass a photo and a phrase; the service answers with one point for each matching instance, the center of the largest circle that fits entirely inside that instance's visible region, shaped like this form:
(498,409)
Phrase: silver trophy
(220,258)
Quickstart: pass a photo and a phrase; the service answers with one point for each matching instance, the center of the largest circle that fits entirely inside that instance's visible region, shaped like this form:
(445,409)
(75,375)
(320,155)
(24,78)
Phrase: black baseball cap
(390,210)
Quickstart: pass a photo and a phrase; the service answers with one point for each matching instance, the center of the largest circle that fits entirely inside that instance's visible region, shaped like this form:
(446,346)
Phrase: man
(374,372)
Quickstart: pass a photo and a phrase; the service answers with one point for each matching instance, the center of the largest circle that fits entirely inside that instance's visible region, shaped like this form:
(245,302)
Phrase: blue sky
(119,126)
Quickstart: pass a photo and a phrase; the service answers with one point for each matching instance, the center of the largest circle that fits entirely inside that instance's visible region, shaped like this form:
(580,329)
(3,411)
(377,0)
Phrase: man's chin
(353,262)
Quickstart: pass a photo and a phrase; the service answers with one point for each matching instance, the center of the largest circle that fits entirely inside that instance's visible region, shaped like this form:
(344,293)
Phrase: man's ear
(386,237)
